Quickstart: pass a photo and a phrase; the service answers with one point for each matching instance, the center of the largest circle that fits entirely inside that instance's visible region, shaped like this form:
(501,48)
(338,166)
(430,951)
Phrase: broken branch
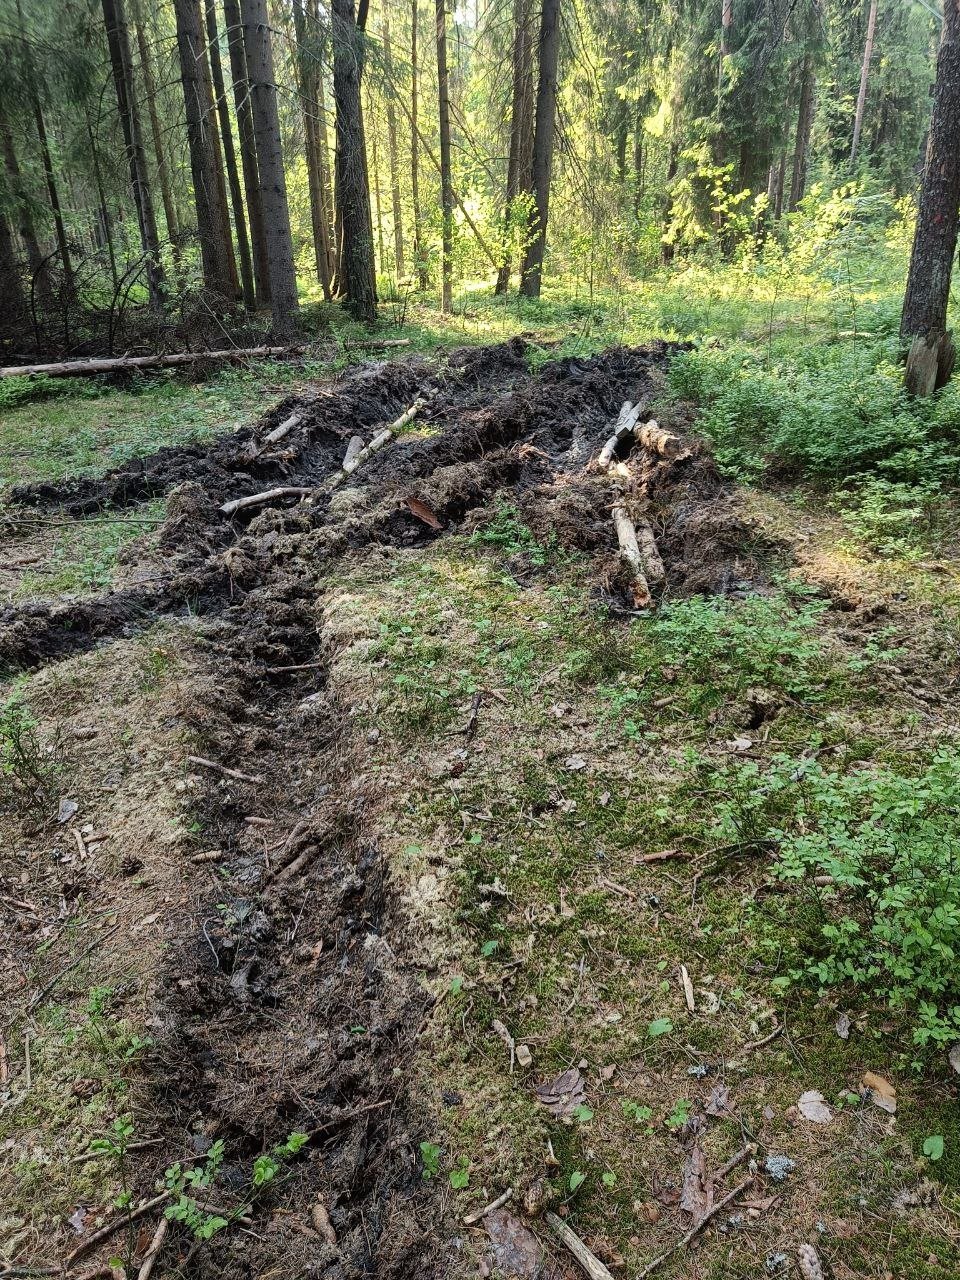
(694,1231)
(589,1261)
(350,464)
(156,1244)
(653,437)
(630,555)
(268,495)
(222,768)
(623,428)
(477,1214)
(116,1225)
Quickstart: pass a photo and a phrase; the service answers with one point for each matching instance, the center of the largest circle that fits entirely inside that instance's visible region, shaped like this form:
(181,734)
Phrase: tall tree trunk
(419,256)
(394,159)
(446,180)
(106,224)
(213,223)
(667,248)
(284,304)
(521,128)
(307,84)
(638,160)
(543,140)
(40,280)
(230,158)
(326,187)
(33,90)
(864,77)
(377,197)
(355,228)
(159,149)
(248,149)
(924,318)
(121,62)
(801,147)
(726,27)
(11,286)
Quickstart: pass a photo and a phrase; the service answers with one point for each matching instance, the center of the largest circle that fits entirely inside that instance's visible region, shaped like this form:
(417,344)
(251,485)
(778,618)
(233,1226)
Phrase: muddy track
(293,1004)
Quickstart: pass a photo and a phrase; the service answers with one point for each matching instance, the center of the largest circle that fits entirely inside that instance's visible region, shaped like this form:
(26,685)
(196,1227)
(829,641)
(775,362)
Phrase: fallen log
(377,344)
(118,364)
(630,555)
(653,437)
(284,428)
(268,495)
(382,438)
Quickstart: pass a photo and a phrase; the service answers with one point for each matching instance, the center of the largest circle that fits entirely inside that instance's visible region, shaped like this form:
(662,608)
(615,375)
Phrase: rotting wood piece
(653,437)
(650,556)
(117,364)
(630,556)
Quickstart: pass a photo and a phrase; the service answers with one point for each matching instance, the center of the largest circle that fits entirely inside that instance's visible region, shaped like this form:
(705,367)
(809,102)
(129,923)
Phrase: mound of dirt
(295,1006)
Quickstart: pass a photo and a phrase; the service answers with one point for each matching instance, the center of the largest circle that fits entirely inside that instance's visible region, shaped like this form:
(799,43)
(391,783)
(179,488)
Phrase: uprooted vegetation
(388,857)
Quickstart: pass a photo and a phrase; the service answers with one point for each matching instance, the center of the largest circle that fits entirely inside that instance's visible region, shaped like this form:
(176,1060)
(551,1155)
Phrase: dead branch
(589,1261)
(377,344)
(156,1244)
(630,555)
(354,447)
(649,555)
(268,495)
(45,991)
(84,368)
(283,429)
(116,1225)
(745,1154)
(624,427)
(694,1231)
(222,768)
(476,1214)
(382,438)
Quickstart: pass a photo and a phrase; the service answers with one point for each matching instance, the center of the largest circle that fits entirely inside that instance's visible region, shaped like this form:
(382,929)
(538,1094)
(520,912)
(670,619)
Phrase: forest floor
(370,855)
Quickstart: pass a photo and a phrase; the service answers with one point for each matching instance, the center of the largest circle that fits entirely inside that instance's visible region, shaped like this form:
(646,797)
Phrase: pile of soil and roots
(293,1003)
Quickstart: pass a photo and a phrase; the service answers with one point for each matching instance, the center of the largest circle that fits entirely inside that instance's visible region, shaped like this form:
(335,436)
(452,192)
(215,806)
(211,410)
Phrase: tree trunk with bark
(543,142)
(36,263)
(356,272)
(307,77)
(121,63)
(230,159)
(160,150)
(446,179)
(924,319)
(394,157)
(248,150)
(801,147)
(106,226)
(864,77)
(284,304)
(419,255)
(521,129)
(213,223)
(11,286)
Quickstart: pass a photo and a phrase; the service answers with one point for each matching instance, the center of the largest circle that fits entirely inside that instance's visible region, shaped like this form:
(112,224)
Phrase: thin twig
(222,768)
(476,1214)
(45,991)
(694,1231)
(116,1225)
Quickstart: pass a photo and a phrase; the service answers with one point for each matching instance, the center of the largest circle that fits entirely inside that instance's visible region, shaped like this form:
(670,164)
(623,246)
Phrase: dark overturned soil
(296,1005)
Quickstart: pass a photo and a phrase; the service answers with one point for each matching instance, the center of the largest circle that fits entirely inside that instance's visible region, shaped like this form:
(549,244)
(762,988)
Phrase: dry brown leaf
(814,1107)
(562,1095)
(882,1092)
(696,1193)
(423,512)
(718,1103)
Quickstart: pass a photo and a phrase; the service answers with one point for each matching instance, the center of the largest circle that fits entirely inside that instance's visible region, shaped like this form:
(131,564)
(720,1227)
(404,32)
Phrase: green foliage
(680,1114)
(430,1156)
(659,1027)
(30,769)
(933,1147)
(460,1174)
(893,518)
(888,921)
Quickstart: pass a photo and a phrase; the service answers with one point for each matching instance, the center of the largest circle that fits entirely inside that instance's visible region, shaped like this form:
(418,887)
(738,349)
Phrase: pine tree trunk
(638,160)
(248,149)
(106,226)
(801,148)
(11,286)
(377,198)
(121,62)
(394,158)
(284,304)
(216,250)
(356,272)
(864,77)
(39,277)
(666,245)
(419,256)
(160,151)
(924,319)
(326,190)
(446,180)
(521,128)
(230,159)
(307,85)
(543,142)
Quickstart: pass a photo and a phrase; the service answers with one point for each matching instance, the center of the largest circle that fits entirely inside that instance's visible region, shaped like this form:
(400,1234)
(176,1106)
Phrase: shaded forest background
(172,171)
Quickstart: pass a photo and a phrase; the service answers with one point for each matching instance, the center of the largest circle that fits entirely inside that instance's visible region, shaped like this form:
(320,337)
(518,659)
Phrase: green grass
(83,556)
